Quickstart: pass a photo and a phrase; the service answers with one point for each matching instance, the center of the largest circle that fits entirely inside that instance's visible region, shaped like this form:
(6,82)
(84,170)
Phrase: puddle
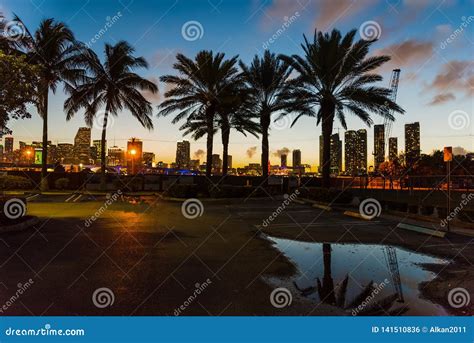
(361,264)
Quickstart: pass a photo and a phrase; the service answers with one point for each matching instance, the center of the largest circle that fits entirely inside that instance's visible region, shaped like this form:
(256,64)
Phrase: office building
(82,143)
(412,143)
(379,145)
(283,159)
(183,154)
(335,154)
(296,158)
(392,148)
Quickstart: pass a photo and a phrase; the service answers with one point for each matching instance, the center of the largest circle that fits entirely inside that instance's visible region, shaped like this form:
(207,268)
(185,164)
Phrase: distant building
(148,158)
(194,164)
(134,156)
(412,143)
(115,156)
(65,153)
(296,158)
(229,161)
(335,154)
(362,150)
(82,143)
(96,143)
(350,152)
(216,163)
(392,148)
(379,145)
(183,154)
(284,161)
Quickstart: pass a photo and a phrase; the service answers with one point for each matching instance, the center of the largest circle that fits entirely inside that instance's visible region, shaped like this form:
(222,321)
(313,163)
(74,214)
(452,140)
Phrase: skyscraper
(412,143)
(392,148)
(335,153)
(296,158)
(115,156)
(355,151)
(65,153)
(148,158)
(98,149)
(283,159)
(379,145)
(183,154)
(216,163)
(229,161)
(82,144)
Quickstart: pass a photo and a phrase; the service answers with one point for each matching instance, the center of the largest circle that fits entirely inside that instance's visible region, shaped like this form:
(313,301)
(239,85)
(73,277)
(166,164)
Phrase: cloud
(408,53)
(199,154)
(455,76)
(280,152)
(251,151)
(441,99)
(153,98)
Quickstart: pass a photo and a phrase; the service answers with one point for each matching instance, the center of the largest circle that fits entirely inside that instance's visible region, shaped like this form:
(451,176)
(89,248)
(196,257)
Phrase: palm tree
(266,79)
(336,76)
(198,89)
(112,85)
(53,49)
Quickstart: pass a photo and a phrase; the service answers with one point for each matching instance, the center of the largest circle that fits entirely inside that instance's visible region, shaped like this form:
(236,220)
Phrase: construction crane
(394,80)
(391,258)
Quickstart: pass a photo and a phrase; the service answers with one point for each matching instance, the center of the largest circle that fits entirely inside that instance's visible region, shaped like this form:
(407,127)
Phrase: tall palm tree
(266,79)
(53,49)
(336,76)
(198,87)
(112,85)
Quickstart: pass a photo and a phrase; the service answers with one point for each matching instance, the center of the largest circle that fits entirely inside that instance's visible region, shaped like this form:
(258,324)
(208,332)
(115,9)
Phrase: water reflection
(361,279)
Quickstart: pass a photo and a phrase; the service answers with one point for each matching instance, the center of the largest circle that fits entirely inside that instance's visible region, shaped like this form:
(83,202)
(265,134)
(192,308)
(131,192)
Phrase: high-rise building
(379,145)
(216,163)
(115,156)
(183,154)
(65,153)
(229,161)
(148,158)
(194,164)
(8,149)
(82,144)
(296,158)
(362,150)
(350,152)
(96,143)
(284,159)
(134,156)
(392,148)
(335,153)
(412,143)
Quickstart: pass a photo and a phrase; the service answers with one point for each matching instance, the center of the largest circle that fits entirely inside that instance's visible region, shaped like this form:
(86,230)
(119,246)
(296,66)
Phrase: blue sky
(432,41)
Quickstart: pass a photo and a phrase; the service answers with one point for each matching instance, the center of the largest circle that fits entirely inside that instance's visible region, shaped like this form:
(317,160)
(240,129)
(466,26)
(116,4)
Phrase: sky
(431,41)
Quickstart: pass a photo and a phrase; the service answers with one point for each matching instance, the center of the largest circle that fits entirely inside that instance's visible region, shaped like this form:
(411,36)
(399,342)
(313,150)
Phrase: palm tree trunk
(210,140)
(44,161)
(225,148)
(327,123)
(265,124)
(103,176)
(328,282)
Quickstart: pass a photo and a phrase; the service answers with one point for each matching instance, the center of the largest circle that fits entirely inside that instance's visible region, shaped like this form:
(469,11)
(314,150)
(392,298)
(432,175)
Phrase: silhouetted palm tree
(198,89)
(266,79)
(53,48)
(336,77)
(112,85)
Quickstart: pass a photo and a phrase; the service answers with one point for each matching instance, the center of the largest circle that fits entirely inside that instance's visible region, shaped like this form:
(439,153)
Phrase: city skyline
(426,65)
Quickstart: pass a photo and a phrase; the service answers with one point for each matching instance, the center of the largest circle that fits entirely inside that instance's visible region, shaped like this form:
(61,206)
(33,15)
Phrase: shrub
(61,183)
(328,195)
(12,182)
